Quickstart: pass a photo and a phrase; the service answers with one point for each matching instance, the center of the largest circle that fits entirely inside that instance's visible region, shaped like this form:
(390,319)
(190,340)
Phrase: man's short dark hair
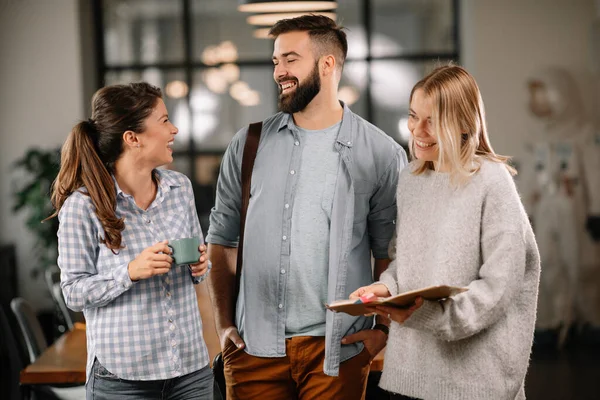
(328,37)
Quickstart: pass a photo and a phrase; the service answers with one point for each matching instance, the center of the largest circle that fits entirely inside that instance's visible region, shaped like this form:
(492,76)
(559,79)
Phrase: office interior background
(217,75)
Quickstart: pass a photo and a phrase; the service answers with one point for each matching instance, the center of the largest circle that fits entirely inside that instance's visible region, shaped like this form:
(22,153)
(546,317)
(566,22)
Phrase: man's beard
(302,95)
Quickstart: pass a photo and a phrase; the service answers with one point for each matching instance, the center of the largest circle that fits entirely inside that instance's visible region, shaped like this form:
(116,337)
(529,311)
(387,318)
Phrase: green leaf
(31,196)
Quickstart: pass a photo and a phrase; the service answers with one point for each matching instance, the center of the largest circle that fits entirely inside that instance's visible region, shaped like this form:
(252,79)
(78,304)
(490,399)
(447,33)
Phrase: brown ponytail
(89,154)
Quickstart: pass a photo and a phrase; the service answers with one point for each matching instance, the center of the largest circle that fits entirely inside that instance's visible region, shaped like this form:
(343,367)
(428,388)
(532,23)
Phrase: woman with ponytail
(116,213)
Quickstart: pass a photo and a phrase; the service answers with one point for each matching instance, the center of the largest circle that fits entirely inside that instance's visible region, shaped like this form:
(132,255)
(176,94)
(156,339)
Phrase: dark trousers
(102,385)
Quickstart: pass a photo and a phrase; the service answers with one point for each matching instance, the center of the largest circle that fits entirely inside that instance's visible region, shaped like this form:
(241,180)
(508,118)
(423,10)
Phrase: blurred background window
(215,67)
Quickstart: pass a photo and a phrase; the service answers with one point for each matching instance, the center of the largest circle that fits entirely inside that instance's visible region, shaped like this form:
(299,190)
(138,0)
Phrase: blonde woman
(460,222)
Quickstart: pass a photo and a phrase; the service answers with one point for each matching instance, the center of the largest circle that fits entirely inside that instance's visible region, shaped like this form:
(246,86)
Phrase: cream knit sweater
(475,345)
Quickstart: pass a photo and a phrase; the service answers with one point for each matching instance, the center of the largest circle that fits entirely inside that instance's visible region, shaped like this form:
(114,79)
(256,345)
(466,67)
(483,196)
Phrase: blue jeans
(102,385)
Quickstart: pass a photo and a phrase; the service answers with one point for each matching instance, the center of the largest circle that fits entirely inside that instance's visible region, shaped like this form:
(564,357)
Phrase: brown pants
(298,375)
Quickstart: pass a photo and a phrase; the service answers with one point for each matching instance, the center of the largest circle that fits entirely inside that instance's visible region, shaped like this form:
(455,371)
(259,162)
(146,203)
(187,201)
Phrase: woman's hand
(201,266)
(379,290)
(152,261)
(397,314)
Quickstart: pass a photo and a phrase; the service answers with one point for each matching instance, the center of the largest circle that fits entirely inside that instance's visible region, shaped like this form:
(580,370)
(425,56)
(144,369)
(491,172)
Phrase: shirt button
(168,294)
(296,143)
(287,206)
(349,143)
(173,343)
(292,172)
(283,271)
(280,306)
(167,279)
(171,320)
(284,237)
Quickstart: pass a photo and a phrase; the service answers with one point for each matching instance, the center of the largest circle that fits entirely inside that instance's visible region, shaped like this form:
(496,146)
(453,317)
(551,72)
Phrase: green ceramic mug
(185,251)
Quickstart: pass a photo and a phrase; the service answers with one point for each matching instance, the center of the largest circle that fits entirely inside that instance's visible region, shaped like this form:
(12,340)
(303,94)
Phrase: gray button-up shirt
(362,221)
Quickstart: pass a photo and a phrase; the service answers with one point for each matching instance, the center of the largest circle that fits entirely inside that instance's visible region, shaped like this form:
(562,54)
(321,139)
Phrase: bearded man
(322,205)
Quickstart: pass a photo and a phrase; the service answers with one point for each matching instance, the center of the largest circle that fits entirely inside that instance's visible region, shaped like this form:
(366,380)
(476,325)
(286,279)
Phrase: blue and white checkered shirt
(145,330)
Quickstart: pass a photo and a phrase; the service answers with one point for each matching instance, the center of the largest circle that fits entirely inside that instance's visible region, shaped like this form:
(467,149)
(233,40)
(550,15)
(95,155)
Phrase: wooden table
(63,362)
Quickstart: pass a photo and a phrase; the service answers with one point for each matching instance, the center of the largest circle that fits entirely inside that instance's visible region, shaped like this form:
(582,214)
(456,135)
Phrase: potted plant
(32,195)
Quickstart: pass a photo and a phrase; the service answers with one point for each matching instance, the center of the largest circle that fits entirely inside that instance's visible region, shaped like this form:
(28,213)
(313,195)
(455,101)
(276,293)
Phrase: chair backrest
(62,306)
(52,275)
(30,327)
(11,362)
(67,317)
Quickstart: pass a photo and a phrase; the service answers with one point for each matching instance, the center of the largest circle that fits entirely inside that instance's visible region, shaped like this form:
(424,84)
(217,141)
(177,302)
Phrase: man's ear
(328,64)
(131,139)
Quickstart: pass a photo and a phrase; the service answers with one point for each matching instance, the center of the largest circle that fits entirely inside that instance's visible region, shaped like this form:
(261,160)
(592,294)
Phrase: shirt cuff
(213,238)
(425,317)
(121,276)
(388,281)
(198,279)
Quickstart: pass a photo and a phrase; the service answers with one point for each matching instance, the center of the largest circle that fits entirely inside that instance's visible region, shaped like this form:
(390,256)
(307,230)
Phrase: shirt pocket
(328,193)
(176,224)
(362,196)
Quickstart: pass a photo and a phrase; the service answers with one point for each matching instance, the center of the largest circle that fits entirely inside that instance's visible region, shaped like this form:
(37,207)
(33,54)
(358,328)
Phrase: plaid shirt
(145,330)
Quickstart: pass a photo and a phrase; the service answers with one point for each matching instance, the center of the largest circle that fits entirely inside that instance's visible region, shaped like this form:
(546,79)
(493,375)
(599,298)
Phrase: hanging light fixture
(271,19)
(274,6)
(262,33)
(268,12)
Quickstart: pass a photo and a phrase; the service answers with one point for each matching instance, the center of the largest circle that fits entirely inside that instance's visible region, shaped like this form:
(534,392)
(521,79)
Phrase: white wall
(505,41)
(41,93)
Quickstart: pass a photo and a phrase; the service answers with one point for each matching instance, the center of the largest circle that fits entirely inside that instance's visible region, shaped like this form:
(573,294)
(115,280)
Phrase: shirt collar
(165,184)
(344,135)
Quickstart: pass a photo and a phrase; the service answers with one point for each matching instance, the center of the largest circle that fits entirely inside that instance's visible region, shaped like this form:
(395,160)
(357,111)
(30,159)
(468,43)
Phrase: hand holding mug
(191,252)
(154,260)
(201,267)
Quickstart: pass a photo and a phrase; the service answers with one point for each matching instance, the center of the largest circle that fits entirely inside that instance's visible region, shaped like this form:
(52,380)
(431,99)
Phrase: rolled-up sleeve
(225,215)
(78,246)
(382,217)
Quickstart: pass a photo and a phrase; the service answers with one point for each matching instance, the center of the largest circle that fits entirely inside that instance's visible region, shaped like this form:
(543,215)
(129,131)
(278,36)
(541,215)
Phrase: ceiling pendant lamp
(277,6)
(271,19)
(267,12)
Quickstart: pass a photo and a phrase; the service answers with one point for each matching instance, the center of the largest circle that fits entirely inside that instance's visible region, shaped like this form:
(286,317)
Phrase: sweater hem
(421,386)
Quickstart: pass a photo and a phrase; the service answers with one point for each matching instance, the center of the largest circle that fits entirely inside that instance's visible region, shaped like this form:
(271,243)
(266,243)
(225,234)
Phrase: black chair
(68,317)
(30,328)
(11,364)
(36,343)
(57,295)
(11,361)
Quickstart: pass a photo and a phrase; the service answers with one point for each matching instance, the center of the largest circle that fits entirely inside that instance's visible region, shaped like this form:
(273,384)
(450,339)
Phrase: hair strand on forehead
(459,125)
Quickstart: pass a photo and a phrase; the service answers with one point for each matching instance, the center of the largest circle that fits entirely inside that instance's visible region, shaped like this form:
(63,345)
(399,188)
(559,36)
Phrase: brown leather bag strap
(250,149)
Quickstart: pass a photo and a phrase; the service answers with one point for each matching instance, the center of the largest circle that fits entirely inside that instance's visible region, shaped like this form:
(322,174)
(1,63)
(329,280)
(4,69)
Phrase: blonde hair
(458,120)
